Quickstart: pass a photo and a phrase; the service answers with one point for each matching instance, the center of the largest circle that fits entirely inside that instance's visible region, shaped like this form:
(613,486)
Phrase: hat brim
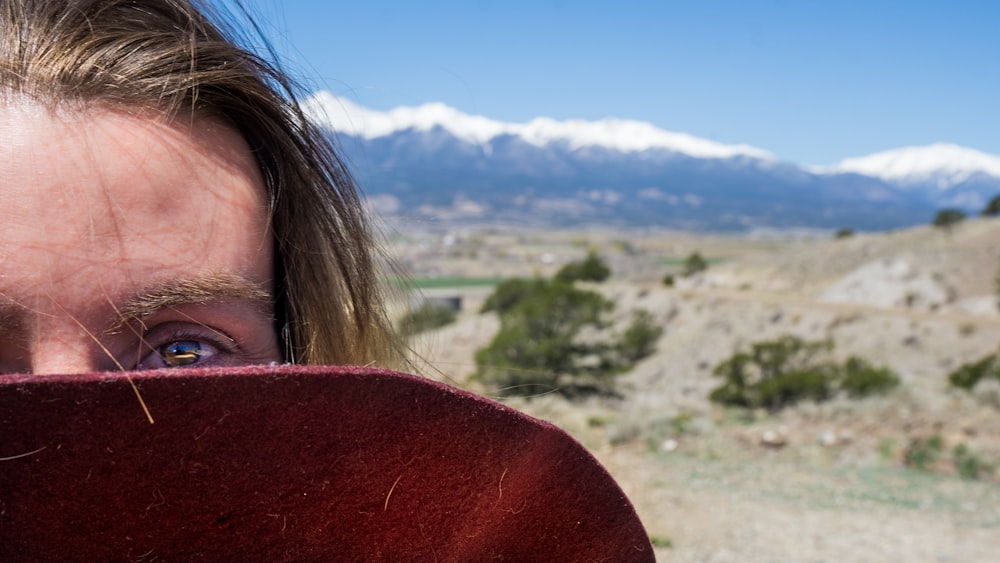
(294,463)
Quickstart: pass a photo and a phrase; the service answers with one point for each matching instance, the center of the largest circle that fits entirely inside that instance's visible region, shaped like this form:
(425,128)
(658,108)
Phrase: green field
(446,282)
(680,261)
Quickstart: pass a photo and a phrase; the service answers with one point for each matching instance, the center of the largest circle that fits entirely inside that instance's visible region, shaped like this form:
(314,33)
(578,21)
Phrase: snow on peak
(943,164)
(344,116)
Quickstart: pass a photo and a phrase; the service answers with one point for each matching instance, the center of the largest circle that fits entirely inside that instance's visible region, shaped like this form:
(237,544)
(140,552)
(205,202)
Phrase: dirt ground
(812,483)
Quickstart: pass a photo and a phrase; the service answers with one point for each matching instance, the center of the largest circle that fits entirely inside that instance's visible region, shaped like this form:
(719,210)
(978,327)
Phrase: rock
(774,439)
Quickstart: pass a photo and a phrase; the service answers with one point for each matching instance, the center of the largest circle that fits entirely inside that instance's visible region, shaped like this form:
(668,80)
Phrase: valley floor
(714,484)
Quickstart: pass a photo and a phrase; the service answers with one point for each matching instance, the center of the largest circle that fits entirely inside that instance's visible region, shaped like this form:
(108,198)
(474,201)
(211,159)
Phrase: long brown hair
(176,57)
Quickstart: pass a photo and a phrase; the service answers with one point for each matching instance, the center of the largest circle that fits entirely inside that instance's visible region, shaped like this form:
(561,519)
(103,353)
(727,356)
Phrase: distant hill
(433,162)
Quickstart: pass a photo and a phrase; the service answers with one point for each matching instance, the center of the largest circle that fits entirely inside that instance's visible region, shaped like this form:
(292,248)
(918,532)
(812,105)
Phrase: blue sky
(813,82)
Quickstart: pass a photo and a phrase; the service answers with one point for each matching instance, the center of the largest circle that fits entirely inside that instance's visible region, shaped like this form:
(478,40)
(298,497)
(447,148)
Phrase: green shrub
(695,263)
(779,373)
(661,541)
(843,233)
(426,317)
(774,374)
(997,281)
(668,280)
(539,347)
(968,464)
(922,453)
(639,339)
(597,421)
(887,449)
(861,379)
(948,218)
(733,395)
(785,389)
(967,376)
(992,208)
(592,268)
(509,293)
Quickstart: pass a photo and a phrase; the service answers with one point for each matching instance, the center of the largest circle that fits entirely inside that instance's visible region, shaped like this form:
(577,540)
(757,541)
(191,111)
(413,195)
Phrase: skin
(130,242)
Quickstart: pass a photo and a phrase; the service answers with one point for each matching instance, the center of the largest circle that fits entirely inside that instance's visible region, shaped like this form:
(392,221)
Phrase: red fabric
(294,463)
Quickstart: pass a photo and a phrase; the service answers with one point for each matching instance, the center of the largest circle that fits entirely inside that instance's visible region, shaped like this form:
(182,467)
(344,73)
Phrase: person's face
(127,242)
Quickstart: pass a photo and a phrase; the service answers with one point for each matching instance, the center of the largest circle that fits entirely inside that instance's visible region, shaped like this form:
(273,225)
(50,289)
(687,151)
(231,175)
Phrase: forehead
(142,161)
(117,200)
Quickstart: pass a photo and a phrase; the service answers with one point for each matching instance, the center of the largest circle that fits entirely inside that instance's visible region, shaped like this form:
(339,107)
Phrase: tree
(778,373)
(775,374)
(861,379)
(694,264)
(592,268)
(967,376)
(639,339)
(992,208)
(509,293)
(428,316)
(948,218)
(554,338)
(537,349)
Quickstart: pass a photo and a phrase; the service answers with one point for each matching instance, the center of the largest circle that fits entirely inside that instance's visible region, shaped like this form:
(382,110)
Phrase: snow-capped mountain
(947,173)
(438,163)
(344,116)
(941,164)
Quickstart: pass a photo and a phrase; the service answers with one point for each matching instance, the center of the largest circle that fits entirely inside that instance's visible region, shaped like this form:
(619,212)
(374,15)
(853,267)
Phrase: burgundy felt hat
(294,463)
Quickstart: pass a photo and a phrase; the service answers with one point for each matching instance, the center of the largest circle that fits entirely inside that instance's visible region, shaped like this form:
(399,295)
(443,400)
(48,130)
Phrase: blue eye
(184,353)
(187,344)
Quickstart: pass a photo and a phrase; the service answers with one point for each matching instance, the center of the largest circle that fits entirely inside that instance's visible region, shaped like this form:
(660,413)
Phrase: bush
(426,317)
(668,280)
(843,233)
(786,389)
(861,379)
(509,293)
(695,263)
(639,339)
(539,347)
(922,453)
(948,218)
(779,373)
(661,541)
(968,464)
(992,208)
(967,376)
(592,268)
(773,374)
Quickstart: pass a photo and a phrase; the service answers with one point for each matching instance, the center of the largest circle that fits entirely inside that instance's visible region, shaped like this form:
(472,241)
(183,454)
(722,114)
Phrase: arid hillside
(874,479)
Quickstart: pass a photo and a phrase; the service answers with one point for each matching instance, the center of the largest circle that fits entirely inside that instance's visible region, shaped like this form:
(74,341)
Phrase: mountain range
(434,163)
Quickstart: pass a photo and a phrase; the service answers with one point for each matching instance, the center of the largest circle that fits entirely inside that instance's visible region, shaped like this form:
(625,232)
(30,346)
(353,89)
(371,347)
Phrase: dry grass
(702,481)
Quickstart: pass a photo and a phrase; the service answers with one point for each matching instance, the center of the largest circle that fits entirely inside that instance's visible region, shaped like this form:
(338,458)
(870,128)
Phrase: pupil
(181,353)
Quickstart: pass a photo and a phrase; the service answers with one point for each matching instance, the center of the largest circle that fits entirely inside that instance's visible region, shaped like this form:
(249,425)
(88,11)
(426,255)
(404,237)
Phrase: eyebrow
(191,291)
